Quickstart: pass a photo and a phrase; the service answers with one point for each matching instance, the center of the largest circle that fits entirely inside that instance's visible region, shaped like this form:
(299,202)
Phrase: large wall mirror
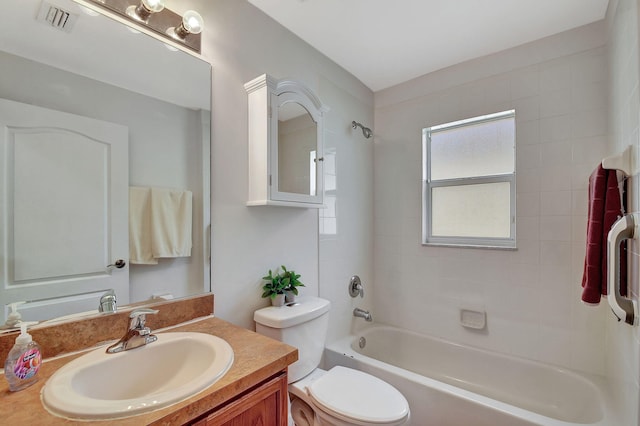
(100,75)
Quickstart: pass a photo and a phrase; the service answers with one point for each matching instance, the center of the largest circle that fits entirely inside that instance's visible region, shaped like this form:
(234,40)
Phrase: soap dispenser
(23,362)
(14,316)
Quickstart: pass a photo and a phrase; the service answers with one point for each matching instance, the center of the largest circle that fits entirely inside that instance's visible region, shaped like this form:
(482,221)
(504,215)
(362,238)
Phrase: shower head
(366,132)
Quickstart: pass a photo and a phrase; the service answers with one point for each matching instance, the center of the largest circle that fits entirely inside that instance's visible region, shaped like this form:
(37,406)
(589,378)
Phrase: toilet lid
(355,395)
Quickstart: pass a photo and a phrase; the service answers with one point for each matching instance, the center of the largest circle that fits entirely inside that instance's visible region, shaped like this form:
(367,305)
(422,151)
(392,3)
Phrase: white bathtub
(448,384)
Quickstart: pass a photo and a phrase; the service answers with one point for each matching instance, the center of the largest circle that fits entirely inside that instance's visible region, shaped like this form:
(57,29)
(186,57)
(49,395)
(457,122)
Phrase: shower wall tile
(553,203)
(528,204)
(556,154)
(528,133)
(553,129)
(555,228)
(532,294)
(555,75)
(558,178)
(557,102)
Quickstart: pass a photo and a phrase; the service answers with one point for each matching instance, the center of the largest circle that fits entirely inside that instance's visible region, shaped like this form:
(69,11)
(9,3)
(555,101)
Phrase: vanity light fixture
(154,16)
(192,23)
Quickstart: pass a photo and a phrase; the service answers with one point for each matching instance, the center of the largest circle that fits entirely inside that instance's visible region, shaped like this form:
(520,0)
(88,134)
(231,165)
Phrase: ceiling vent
(56,17)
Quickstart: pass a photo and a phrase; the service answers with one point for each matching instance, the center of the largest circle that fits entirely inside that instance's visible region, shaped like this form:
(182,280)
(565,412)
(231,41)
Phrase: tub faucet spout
(361,313)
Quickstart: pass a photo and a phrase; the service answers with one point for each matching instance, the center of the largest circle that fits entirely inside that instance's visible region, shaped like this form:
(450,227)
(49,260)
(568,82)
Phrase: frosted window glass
(482,149)
(480,210)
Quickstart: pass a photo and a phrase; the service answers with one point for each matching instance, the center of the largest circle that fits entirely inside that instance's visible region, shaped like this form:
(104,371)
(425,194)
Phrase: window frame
(428,239)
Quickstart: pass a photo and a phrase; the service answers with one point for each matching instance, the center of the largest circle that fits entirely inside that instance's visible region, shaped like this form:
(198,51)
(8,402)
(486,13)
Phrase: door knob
(120,263)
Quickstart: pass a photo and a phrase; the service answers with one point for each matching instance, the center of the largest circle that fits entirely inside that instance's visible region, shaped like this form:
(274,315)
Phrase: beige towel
(159,224)
(170,222)
(140,226)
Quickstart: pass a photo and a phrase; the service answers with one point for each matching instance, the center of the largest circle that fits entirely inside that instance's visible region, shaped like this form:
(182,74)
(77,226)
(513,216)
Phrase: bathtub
(448,384)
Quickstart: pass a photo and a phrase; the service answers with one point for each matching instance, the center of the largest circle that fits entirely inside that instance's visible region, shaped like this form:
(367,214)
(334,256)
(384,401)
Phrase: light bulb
(145,9)
(192,22)
(153,5)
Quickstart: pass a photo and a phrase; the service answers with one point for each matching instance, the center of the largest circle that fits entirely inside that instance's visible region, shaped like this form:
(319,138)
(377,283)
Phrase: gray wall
(242,43)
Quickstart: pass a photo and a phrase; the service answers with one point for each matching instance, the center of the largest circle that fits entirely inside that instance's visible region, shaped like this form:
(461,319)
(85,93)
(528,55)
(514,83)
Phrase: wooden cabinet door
(266,405)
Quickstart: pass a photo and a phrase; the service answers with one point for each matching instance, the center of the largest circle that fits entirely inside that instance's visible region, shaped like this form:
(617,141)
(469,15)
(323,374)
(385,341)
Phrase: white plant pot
(290,296)
(278,300)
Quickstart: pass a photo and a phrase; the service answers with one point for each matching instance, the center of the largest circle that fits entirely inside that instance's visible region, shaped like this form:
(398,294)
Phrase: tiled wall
(346,225)
(531,296)
(622,29)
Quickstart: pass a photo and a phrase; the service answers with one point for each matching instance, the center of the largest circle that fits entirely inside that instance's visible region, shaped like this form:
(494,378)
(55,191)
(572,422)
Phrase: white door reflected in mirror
(65,203)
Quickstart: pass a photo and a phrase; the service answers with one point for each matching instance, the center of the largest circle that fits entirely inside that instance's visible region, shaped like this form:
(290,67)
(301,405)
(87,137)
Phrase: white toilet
(338,397)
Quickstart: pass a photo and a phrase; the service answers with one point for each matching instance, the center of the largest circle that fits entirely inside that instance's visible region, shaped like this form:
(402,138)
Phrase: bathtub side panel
(429,406)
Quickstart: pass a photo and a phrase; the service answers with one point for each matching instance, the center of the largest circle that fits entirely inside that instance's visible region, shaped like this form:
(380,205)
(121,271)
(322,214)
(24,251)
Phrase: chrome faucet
(108,302)
(361,313)
(137,335)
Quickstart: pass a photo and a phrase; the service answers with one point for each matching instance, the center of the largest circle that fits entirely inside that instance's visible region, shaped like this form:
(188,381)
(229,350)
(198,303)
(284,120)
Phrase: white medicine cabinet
(285,144)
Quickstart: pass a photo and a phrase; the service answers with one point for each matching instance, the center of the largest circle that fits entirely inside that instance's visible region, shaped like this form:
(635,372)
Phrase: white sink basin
(107,386)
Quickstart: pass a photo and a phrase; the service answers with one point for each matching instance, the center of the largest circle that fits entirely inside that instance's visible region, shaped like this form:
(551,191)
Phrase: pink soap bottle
(23,362)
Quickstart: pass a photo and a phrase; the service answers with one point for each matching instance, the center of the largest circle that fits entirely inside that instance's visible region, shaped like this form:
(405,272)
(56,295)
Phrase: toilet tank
(302,324)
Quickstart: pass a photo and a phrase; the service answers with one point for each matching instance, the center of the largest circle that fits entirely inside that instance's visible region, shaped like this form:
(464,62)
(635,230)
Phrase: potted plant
(274,288)
(291,291)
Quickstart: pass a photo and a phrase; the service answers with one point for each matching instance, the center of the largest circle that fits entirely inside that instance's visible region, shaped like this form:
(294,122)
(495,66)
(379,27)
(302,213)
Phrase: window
(469,182)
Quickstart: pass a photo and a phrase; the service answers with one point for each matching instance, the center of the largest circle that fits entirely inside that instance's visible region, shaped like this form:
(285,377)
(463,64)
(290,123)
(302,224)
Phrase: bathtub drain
(362,342)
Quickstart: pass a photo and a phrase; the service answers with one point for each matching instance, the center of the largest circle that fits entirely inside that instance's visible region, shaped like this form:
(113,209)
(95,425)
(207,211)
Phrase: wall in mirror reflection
(297,143)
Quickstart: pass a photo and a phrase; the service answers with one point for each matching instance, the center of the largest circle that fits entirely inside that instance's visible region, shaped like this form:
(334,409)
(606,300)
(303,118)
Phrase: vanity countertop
(256,358)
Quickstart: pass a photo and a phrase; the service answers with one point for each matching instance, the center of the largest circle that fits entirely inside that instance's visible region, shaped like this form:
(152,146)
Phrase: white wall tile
(553,203)
(528,133)
(528,203)
(527,108)
(555,75)
(525,83)
(556,178)
(555,228)
(528,293)
(556,154)
(554,103)
(553,129)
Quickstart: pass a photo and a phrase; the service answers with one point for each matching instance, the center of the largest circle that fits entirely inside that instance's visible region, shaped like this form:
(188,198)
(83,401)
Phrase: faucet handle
(139,317)
(355,287)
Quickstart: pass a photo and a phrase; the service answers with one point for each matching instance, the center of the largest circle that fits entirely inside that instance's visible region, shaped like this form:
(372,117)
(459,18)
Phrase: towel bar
(624,228)
(622,162)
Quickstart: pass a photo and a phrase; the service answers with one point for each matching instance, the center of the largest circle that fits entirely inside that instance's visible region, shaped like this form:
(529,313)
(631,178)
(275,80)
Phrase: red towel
(605,207)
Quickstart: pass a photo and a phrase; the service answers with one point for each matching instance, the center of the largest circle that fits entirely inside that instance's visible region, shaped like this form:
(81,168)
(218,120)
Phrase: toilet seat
(358,397)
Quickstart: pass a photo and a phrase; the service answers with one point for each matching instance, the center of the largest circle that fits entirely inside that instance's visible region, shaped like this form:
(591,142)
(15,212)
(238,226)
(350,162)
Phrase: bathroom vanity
(253,391)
